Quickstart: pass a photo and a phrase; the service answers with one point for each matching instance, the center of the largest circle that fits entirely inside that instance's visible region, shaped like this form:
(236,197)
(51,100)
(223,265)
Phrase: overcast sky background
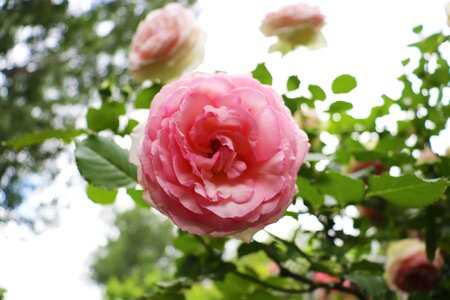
(367,39)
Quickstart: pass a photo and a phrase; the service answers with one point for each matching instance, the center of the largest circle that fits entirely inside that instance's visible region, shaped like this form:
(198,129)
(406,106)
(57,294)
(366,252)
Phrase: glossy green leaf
(144,97)
(344,189)
(407,190)
(343,84)
(26,140)
(262,74)
(292,83)
(104,164)
(317,92)
(101,196)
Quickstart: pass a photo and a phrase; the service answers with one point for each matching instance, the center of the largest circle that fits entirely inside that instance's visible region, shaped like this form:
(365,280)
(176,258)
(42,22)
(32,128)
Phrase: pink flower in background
(323,294)
(294,25)
(427,156)
(219,155)
(408,269)
(167,43)
(308,119)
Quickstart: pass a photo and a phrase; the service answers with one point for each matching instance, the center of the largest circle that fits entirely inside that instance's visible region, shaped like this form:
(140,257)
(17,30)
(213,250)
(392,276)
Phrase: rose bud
(408,269)
(167,43)
(294,25)
(219,154)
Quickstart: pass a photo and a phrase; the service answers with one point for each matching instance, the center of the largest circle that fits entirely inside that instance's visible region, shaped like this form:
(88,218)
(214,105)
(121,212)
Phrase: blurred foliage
(138,254)
(52,56)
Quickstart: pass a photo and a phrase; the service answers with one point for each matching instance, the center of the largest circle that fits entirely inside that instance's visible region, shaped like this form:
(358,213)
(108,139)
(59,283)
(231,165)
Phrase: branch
(271,286)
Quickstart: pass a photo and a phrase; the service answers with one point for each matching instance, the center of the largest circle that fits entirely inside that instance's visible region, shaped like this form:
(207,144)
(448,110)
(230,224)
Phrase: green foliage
(342,188)
(2,293)
(67,135)
(261,74)
(136,195)
(317,92)
(292,83)
(340,107)
(104,164)
(100,196)
(406,190)
(343,84)
(139,252)
(107,117)
(145,96)
(373,285)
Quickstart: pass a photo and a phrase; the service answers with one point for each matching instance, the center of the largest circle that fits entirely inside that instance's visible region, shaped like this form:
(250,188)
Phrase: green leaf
(373,285)
(291,103)
(407,190)
(26,140)
(342,188)
(101,196)
(293,83)
(145,96)
(107,117)
(405,61)
(309,192)
(188,244)
(343,84)
(365,265)
(130,126)
(262,74)
(136,195)
(104,164)
(317,92)
(340,106)
(418,29)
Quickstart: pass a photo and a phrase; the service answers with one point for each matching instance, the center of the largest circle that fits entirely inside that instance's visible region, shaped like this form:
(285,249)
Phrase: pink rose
(294,25)
(408,269)
(167,42)
(220,155)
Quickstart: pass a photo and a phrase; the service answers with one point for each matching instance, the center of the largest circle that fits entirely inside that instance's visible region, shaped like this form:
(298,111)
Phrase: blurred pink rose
(308,119)
(323,294)
(408,269)
(295,25)
(167,42)
(427,156)
(220,154)
(274,269)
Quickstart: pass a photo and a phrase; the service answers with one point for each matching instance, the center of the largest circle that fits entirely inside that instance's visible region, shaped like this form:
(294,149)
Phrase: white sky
(365,38)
